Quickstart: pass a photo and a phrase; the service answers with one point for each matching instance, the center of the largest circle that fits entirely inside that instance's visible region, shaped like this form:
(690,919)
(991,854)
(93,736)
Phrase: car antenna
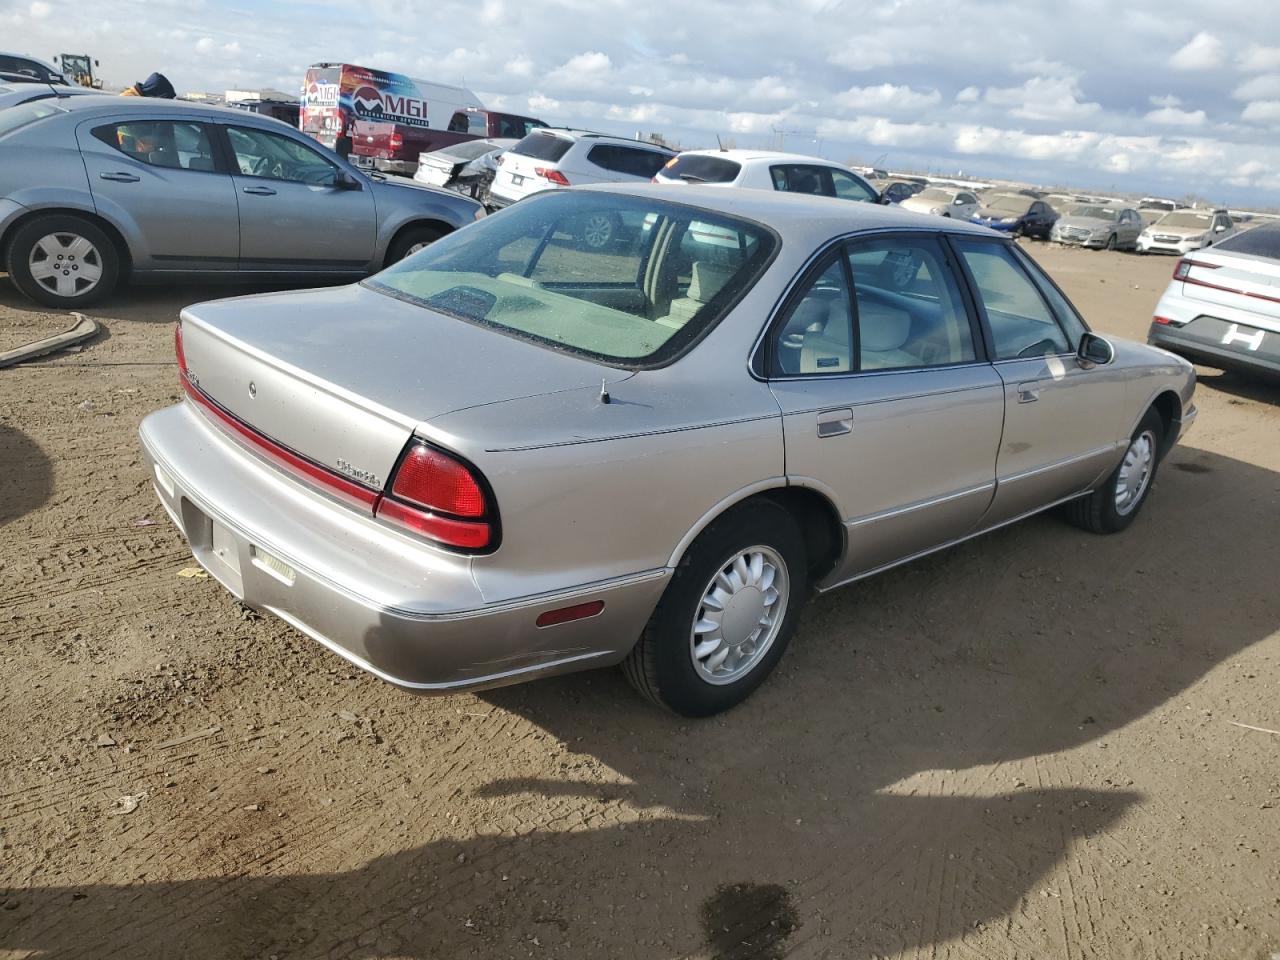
(604,391)
(719,143)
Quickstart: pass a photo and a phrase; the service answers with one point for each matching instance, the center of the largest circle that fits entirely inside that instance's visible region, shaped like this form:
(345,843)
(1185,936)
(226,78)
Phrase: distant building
(236,96)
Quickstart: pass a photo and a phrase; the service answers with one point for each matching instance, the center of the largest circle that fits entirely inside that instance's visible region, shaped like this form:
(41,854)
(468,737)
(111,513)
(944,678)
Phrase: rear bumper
(404,168)
(1202,340)
(403,611)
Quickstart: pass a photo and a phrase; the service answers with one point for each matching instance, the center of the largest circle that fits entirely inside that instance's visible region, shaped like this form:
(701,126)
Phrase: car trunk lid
(1241,281)
(343,376)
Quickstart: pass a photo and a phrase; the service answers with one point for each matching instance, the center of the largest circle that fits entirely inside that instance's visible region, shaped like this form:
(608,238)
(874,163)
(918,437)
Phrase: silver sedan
(96,188)
(513,454)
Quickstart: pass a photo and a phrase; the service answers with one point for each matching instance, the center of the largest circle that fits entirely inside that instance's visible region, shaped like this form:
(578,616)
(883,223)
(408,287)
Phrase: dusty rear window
(543,146)
(624,279)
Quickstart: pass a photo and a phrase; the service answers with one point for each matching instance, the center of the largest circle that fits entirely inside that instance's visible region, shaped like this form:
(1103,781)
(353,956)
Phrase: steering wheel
(259,167)
(1040,348)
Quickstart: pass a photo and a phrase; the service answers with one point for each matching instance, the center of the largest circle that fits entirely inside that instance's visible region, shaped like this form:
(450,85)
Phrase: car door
(1060,415)
(296,214)
(154,179)
(888,406)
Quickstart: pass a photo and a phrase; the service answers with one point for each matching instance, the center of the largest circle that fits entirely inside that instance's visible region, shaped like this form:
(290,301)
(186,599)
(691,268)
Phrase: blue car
(1017,214)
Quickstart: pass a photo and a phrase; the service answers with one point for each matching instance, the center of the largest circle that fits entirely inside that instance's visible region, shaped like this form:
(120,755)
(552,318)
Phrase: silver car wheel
(65,264)
(740,615)
(414,248)
(597,231)
(1135,472)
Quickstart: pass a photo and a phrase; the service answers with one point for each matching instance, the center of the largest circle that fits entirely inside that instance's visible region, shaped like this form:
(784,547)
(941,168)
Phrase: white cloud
(1171,116)
(969,95)
(520,66)
(1044,98)
(888,98)
(39,9)
(583,71)
(538,102)
(1201,52)
(206,44)
(1166,101)
(770,88)
(1261,111)
(1264,87)
(1257,59)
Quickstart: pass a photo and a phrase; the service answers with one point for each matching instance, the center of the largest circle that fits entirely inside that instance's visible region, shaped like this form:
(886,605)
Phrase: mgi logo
(322,94)
(371,103)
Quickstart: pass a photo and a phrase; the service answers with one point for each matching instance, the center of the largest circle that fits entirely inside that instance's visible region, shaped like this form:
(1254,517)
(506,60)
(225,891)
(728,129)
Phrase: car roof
(743,155)
(574,133)
(791,212)
(104,104)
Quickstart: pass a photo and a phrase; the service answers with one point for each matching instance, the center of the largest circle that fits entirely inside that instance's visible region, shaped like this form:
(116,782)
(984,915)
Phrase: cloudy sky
(1142,95)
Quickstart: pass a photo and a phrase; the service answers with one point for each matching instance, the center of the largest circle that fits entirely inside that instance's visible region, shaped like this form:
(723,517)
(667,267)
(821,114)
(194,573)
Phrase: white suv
(549,158)
(754,169)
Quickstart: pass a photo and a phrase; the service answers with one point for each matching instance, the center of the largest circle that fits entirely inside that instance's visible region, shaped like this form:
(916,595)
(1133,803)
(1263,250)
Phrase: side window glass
(259,153)
(478,125)
(850,188)
(458,123)
(161,143)
(910,312)
(1021,322)
(817,335)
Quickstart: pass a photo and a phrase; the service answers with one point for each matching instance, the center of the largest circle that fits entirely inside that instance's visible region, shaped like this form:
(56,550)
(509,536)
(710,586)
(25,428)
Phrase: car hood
(988,213)
(1088,223)
(1178,231)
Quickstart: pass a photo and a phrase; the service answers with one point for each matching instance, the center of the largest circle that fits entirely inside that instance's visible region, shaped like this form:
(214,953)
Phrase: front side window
(178,144)
(259,153)
(1021,322)
(667,273)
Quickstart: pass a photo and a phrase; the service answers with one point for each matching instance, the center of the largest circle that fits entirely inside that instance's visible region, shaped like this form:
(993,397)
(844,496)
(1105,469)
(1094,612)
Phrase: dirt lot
(1022,748)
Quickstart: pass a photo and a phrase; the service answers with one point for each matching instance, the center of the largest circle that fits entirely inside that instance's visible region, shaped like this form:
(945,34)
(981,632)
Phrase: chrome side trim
(1059,464)
(920,505)
(632,436)
(825,588)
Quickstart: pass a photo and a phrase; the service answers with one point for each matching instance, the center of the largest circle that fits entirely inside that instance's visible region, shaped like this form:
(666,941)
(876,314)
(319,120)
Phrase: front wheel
(63,261)
(1111,242)
(411,241)
(1115,504)
(726,616)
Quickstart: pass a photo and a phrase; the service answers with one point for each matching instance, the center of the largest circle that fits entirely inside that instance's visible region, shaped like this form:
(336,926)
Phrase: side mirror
(1095,350)
(1220,228)
(345,181)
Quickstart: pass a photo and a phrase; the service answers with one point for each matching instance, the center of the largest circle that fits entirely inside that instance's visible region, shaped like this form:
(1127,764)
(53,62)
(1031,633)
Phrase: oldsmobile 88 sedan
(515,454)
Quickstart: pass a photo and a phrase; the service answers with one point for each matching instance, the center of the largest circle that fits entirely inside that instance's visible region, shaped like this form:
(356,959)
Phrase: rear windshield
(543,146)
(699,168)
(19,116)
(628,280)
(1263,241)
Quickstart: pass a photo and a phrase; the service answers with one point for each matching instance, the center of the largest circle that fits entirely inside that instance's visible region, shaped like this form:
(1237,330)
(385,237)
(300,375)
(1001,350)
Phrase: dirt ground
(1021,748)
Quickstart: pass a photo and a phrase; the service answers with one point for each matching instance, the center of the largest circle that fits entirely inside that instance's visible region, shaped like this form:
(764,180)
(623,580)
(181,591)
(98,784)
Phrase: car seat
(707,279)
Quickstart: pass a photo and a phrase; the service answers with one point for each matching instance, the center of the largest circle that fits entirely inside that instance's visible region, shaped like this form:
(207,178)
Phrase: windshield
(1008,204)
(1185,218)
(1094,213)
(624,279)
(934,193)
(19,116)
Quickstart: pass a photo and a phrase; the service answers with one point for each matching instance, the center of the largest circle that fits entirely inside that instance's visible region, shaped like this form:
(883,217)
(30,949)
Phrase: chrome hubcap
(416,247)
(598,231)
(1135,472)
(740,614)
(65,264)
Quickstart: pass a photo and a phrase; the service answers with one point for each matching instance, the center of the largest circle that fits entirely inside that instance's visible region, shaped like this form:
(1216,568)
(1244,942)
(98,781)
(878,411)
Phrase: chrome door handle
(260,191)
(1028,392)
(120,177)
(832,423)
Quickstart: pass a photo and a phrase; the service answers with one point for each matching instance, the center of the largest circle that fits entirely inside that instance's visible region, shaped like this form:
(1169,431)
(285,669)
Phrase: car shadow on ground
(1243,385)
(26,476)
(890,789)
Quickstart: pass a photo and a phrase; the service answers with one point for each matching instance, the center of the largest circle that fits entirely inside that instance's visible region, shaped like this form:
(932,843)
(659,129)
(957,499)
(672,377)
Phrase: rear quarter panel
(41,168)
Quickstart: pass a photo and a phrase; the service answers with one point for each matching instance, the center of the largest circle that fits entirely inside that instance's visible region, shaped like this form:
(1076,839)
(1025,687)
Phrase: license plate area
(214,546)
(516,180)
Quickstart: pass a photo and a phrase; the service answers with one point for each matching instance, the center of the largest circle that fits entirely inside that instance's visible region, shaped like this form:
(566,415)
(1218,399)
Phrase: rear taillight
(1183,269)
(396,141)
(436,495)
(178,351)
(552,175)
(1163,321)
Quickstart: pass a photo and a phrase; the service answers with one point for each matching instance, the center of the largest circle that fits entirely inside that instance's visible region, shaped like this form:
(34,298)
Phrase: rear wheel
(599,230)
(726,616)
(1115,504)
(411,241)
(63,261)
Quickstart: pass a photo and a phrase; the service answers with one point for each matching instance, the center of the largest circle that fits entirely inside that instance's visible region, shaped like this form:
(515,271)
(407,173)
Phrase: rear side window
(180,145)
(1022,325)
(1263,241)
(631,161)
(543,146)
(699,168)
(478,125)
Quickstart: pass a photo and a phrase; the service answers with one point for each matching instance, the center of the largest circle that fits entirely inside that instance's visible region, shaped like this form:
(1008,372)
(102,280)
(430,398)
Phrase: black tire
(1098,512)
(410,238)
(661,665)
(27,249)
(1111,243)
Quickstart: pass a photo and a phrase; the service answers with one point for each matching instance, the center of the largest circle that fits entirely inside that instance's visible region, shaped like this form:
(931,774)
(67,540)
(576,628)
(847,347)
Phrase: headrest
(882,327)
(707,280)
